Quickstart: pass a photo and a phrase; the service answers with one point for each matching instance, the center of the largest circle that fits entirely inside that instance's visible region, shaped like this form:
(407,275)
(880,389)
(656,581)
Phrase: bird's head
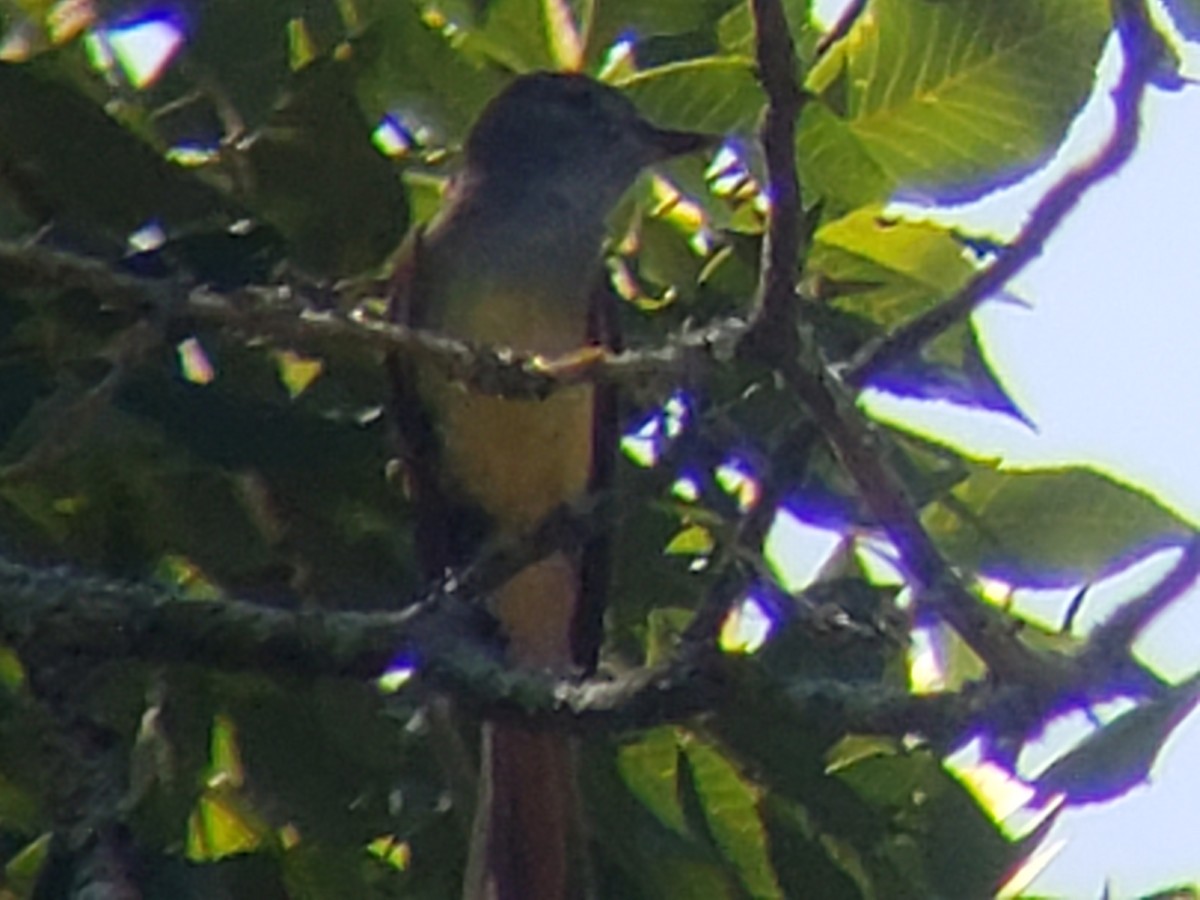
(568,131)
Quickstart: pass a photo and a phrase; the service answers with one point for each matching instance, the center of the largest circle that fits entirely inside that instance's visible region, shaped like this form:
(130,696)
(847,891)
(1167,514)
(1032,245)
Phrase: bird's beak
(665,143)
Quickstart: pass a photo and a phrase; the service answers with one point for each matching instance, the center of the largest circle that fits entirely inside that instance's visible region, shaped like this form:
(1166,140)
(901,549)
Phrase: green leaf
(641,855)
(891,269)
(22,871)
(715,94)
(650,768)
(834,164)
(948,99)
(355,213)
(730,806)
(736,29)
(935,825)
(693,540)
(643,579)
(243,48)
(1053,525)
(803,864)
(1179,892)
(313,871)
(641,20)
(408,67)
(664,256)
(68,162)
(327,759)
(518,34)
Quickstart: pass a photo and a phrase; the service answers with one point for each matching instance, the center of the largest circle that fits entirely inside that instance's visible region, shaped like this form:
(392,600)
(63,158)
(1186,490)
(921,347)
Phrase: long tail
(527,843)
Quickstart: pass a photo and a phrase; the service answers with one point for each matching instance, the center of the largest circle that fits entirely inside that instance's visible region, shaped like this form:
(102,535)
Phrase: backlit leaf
(948,99)
(1054,525)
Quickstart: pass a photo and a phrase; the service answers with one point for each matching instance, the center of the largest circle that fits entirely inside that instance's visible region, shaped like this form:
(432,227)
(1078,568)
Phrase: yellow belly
(518,460)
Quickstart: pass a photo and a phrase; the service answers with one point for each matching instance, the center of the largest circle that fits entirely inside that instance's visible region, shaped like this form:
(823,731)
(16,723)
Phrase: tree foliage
(237,687)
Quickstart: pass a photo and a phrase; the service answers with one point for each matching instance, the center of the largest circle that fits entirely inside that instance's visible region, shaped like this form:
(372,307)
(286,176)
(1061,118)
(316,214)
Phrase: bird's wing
(441,522)
(604,330)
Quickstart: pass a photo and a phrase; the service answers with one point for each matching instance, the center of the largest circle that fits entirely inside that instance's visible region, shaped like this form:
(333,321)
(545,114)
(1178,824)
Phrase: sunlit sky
(1105,362)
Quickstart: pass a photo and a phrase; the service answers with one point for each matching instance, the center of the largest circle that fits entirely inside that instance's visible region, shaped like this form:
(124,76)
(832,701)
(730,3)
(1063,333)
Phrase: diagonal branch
(841,27)
(857,444)
(1112,642)
(1142,48)
(863,454)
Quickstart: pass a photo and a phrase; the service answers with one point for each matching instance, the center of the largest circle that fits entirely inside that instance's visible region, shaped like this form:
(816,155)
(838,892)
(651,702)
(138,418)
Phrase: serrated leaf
(1047,526)
(714,94)
(902,267)
(949,100)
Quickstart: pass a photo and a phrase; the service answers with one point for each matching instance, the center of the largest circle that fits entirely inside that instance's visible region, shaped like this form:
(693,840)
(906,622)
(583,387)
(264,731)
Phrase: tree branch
(775,340)
(1111,643)
(1143,52)
(55,614)
(841,27)
(862,452)
(775,318)
(284,314)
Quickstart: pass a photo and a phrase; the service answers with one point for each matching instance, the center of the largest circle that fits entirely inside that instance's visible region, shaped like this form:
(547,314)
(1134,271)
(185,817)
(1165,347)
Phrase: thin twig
(841,27)
(1113,639)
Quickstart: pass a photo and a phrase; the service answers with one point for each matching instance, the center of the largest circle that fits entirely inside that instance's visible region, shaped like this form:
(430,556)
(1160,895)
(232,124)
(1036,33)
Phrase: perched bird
(514,259)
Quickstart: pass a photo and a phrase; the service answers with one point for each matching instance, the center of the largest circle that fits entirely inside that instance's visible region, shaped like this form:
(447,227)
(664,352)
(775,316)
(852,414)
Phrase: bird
(514,259)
